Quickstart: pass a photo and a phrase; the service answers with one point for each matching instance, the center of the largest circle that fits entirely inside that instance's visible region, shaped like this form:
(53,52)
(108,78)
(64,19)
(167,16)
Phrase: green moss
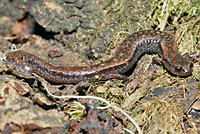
(76,110)
(110,3)
(172,10)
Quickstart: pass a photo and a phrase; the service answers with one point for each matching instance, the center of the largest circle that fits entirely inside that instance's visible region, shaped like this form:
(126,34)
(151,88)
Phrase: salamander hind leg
(118,76)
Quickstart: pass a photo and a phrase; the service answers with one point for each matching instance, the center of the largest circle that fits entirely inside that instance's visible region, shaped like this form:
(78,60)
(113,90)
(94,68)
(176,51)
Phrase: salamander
(128,53)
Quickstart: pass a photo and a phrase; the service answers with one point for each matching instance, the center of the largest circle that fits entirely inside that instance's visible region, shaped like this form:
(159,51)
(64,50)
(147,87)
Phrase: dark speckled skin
(131,49)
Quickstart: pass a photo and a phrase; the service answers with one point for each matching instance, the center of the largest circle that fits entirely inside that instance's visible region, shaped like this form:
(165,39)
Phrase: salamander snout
(178,65)
(184,70)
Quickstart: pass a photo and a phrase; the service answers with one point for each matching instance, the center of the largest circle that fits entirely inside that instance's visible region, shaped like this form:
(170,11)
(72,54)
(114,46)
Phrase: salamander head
(179,65)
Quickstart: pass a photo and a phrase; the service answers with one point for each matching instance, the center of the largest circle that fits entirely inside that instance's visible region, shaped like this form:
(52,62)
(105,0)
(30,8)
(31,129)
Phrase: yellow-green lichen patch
(75,110)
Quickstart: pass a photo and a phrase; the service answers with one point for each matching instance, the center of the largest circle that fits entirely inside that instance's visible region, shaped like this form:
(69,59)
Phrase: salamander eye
(179,69)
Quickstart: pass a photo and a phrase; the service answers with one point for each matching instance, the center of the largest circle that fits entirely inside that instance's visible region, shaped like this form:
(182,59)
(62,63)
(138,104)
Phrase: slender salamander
(130,50)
